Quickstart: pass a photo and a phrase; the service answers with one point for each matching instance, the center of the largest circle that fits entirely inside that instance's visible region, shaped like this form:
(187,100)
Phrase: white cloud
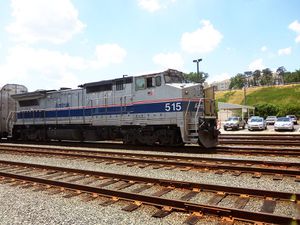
(295,26)
(43,67)
(285,51)
(109,54)
(150,5)
(154,5)
(54,21)
(169,60)
(256,65)
(264,48)
(203,40)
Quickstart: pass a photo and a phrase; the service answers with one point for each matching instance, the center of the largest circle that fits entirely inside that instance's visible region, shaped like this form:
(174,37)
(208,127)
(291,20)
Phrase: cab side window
(140,83)
(158,81)
(149,82)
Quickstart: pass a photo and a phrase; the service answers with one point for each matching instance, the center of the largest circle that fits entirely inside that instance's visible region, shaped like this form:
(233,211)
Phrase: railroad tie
(72,194)
(125,185)
(77,179)
(190,195)
(162,212)
(194,218)
(165,190)
(216,198)
(41,188)
(268,205)
(132,206)
(256,175)
(278,177)
(56,191)
(241,202)
(109,201)
(90,197)
(107,183)
(142,188)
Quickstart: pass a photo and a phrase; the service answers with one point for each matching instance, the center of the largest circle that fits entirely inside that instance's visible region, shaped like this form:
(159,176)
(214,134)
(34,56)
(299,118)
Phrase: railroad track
(135,190)
(260,139)
(169,162)
(225,148)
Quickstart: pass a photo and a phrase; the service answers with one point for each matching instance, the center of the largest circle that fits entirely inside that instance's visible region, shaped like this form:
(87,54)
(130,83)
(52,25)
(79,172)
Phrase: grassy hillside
(277,95)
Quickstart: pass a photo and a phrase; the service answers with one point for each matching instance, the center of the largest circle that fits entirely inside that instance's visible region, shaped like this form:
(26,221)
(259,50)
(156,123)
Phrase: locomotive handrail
(11,117)
(185,119)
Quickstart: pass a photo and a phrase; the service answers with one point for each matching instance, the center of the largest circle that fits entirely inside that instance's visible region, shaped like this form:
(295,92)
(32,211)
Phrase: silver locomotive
(152,109)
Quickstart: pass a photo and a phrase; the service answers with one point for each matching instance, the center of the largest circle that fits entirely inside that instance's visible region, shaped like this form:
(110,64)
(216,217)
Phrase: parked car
(293,117)
(270,120)
(284,123)
(257,123)
(234,122)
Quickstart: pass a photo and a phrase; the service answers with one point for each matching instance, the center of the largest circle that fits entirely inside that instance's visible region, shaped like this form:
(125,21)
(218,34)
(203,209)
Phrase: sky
(48,44)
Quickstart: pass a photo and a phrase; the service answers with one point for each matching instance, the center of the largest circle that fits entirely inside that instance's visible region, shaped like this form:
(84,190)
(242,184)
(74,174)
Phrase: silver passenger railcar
(153,109)
(8,106)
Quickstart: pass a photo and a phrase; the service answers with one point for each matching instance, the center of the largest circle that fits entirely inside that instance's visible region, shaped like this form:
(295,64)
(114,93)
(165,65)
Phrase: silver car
(271,120)
(257,123)
(293,117)
(234,122)
(284,123)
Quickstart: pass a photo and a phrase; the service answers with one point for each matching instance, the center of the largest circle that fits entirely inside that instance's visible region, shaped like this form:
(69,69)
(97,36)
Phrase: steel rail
(43,150)
(193,162)
(260,139)
(290,151)
(158,201)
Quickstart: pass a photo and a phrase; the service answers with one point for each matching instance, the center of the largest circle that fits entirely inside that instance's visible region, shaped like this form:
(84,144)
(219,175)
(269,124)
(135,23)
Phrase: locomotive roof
(126,80)
(31,95)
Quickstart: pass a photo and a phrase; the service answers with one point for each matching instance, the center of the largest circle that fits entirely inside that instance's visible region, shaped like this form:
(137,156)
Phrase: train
(157,109)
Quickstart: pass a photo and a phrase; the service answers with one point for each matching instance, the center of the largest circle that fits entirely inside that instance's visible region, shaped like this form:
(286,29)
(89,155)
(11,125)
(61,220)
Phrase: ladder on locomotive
(191,124)
(192,121)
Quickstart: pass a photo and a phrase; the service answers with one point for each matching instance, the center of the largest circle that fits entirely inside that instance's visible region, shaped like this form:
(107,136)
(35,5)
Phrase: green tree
(256,77)
(280,72)
(266,109)
(194,77)
(237,82)
(267,77)
(291,77)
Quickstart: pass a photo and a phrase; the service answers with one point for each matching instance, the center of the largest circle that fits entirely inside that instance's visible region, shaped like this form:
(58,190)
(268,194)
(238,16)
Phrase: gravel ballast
(23,206)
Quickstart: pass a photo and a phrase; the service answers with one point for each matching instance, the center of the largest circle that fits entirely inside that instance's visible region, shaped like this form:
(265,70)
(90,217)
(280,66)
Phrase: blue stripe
(115,110)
